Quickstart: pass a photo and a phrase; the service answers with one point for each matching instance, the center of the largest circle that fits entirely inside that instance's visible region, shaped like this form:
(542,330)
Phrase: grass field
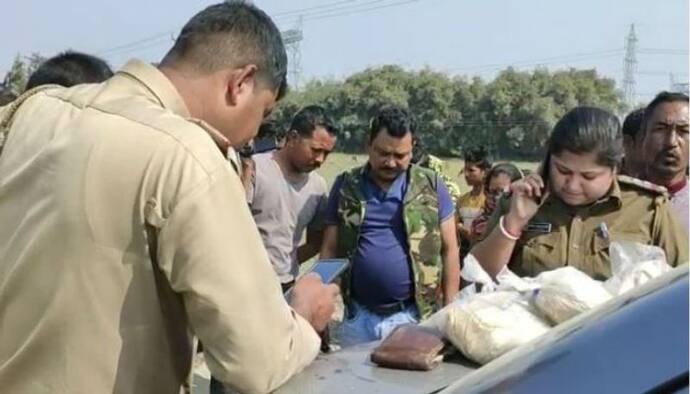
(339,162)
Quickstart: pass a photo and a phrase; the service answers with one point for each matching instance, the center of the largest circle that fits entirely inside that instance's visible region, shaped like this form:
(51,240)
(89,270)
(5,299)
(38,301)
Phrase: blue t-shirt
(381,272)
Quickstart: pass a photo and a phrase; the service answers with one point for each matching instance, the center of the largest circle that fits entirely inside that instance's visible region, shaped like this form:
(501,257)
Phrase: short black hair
(307,119)
(396,120)
(633,123)
(233,34)
(663,97)
(70,68)
(478,157)
(588,130)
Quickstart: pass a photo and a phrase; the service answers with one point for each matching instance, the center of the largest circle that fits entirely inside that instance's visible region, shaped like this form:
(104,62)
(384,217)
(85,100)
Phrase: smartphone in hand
(328,269)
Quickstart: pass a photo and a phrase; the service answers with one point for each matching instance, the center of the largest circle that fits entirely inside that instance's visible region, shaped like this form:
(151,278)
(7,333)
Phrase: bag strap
(8,116)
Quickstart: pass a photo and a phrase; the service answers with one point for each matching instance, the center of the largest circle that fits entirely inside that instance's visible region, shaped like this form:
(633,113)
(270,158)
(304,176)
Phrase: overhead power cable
(347,11)
(323,11)
(544,61)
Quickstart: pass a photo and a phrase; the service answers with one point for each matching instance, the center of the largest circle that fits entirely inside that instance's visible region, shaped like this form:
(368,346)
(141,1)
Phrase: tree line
(511,115)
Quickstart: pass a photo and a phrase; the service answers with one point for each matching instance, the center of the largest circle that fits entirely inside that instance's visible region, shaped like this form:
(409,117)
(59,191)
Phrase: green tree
(511,115)
(20,71)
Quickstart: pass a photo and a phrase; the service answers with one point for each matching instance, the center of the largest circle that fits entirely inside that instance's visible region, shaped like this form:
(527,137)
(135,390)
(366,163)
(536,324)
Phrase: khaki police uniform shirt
(96,179)
(560,235)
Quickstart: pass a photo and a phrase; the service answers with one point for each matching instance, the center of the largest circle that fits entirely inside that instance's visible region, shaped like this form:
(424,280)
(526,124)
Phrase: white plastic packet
(472,271)
(491,324)
(634,264)
(510,311)
(566,292)
(487,323)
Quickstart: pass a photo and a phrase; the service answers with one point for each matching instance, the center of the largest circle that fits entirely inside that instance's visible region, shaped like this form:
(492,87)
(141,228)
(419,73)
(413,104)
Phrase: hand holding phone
(313,300)
(327,269)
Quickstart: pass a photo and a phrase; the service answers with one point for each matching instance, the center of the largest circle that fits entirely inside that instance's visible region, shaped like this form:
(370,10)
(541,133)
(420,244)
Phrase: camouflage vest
(420,216)
(436,164)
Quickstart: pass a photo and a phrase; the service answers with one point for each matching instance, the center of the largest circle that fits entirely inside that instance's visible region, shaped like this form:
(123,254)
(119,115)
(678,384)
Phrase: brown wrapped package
(410,347)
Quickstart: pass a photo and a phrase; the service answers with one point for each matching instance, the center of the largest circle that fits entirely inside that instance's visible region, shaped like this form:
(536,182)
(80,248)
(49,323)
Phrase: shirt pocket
(599,259)
(539,253)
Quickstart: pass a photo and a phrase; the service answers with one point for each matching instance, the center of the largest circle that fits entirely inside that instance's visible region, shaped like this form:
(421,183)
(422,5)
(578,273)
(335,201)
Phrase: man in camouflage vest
(395,223)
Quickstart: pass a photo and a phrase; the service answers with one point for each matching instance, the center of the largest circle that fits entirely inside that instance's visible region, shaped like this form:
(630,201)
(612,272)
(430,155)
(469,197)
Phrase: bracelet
(505,232)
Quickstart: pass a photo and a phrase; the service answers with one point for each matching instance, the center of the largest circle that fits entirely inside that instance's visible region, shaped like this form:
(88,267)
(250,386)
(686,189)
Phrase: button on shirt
(381,270)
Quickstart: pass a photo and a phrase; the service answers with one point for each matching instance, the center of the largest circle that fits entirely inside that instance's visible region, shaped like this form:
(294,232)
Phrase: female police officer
(571,212)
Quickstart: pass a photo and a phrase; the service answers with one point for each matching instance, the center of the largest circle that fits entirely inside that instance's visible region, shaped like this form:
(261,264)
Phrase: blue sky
(470,37)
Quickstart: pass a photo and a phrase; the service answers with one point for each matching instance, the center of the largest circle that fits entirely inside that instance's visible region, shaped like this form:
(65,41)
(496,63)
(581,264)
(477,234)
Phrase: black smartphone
(328,270)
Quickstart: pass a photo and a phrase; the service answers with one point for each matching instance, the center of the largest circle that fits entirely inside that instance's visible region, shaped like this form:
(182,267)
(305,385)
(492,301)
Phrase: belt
(390,309)
(287,285)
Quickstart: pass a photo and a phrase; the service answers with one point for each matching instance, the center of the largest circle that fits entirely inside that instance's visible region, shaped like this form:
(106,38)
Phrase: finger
(537,182)
(536,188)
(520,187)
(527,189)
(313,276)
(334,289)
(538,179)
(546,195)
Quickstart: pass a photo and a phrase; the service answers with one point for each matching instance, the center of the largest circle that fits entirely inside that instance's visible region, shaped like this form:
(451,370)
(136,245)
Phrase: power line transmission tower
(672,79)
(629,67)
(682,87)
(292,39)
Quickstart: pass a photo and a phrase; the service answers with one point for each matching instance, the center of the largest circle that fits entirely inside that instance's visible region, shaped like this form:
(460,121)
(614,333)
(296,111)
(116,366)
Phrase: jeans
(367,326)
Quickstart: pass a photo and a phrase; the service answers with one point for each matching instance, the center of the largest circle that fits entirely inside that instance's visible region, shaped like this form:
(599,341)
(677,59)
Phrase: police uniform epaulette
(649,186)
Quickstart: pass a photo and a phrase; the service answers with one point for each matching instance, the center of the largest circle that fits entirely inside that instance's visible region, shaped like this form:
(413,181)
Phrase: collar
(162,90)
(678,186)
(157,84)
(614,194)
(396,189)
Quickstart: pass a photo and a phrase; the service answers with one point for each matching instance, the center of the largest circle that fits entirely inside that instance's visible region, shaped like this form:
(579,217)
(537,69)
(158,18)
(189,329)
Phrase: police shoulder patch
(649,186)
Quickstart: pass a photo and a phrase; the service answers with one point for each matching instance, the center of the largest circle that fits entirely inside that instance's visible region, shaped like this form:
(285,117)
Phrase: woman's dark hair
(512,171)
(587,130)
(478,157)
